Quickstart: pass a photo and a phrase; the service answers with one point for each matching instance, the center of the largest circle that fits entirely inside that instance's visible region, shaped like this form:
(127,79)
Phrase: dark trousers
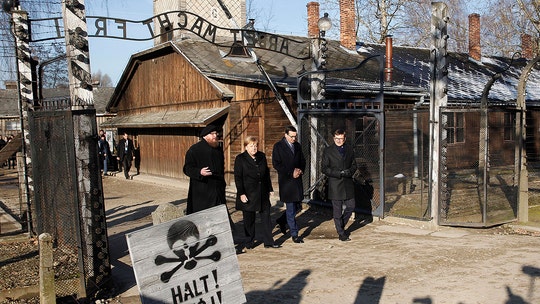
(126,164)
(249,225)
(289,217)
(12,162)
(342,216)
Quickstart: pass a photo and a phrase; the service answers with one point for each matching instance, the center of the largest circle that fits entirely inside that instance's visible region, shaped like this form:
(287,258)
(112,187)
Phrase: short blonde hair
(250,139)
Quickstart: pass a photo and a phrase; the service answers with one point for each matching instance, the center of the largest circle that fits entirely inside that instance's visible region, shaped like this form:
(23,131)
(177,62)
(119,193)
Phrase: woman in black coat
(253,188)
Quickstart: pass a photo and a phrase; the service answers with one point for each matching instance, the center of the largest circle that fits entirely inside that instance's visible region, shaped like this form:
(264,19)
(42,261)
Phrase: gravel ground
(386,262)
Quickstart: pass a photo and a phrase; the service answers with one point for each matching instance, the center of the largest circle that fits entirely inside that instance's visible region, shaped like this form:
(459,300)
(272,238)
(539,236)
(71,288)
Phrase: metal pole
(523,178)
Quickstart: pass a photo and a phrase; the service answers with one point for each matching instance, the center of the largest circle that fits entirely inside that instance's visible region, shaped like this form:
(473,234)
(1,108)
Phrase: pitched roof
(411,69)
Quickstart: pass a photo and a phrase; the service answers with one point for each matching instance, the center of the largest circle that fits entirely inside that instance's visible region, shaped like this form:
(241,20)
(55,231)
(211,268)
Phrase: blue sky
(110,56)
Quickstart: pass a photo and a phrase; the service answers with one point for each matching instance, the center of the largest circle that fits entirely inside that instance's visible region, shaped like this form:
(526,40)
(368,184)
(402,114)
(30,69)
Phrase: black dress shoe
(250,245)
(344,238)
(282,227)
(297,239)
(272,246)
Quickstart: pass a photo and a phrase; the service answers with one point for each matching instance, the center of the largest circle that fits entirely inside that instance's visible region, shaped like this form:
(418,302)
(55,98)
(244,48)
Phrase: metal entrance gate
(364,133)
(406,167)
(478,178)
(79,232)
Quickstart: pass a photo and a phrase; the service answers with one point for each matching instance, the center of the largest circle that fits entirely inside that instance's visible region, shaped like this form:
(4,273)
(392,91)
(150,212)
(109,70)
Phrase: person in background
(3,143)
(205,166)
(104,153)
(253,189)
(339,165)
(12,160)
(125,153)
(288,159)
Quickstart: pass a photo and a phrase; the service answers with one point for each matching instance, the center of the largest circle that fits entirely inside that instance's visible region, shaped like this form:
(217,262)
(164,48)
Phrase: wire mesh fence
(75,220)
(362,131)
(479,181)
(406,164)
(479,160)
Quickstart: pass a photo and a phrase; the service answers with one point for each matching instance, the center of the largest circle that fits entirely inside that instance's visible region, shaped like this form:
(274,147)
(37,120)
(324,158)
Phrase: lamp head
(8,5)
(324,23)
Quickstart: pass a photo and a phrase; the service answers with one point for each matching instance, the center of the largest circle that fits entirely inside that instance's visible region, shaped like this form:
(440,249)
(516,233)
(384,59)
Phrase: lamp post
(324,24)
(317,83)
(319,48)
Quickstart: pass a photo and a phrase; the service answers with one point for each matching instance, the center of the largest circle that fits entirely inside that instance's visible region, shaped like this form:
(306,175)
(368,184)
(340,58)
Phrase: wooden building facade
(166,101)
(168,93)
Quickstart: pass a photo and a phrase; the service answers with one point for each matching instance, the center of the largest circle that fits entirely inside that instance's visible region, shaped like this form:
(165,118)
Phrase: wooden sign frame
(188,260)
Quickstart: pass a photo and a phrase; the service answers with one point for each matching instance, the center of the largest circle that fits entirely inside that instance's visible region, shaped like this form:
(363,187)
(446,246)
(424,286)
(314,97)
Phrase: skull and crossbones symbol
(186,256)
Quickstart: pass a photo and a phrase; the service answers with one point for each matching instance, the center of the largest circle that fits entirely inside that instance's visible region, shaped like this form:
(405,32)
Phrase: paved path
(387,261)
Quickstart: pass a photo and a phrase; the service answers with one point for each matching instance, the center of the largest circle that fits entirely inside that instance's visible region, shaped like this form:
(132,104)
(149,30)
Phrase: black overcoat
(284,161)
(121,151)
(252,178)
(339,187)
(204,191)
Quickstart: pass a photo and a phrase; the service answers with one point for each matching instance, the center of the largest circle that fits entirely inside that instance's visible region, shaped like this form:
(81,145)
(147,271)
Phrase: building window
(509,126)
(13,125)
(455,128)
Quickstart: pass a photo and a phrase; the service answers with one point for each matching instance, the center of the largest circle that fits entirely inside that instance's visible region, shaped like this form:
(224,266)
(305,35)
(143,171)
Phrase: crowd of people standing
(125,152)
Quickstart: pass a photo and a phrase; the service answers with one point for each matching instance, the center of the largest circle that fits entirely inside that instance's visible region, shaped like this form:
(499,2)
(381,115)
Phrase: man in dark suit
(289,161)
(205,166)
(339,165)
(125,153)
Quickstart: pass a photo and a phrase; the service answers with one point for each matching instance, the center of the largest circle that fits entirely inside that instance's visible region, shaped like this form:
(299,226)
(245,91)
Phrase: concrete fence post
(47,294)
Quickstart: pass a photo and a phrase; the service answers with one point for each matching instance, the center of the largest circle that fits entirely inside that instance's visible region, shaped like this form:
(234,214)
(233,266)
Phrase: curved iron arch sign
(142,30)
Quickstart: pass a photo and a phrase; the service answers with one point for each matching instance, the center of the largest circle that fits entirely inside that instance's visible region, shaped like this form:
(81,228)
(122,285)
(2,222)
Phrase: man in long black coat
(288,159)
(339,165)
(125,153)
(205,166)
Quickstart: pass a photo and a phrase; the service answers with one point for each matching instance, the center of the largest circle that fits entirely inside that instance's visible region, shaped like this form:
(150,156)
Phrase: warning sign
(188,260)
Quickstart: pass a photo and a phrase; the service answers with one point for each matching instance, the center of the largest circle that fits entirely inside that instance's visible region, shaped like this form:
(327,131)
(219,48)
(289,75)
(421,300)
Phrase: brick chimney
(475,51)
(313,19)
(346,25)
(389,67)
(526,46)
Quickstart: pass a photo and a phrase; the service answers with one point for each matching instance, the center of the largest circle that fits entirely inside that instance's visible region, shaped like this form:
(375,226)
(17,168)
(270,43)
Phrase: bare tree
(263,17)
(502,26)
(379,18)
(55,73)
(101,80)
(417,22)
(408,21)
(106,81)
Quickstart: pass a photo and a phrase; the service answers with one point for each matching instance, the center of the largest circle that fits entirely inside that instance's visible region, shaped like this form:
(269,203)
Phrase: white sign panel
(188,260)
